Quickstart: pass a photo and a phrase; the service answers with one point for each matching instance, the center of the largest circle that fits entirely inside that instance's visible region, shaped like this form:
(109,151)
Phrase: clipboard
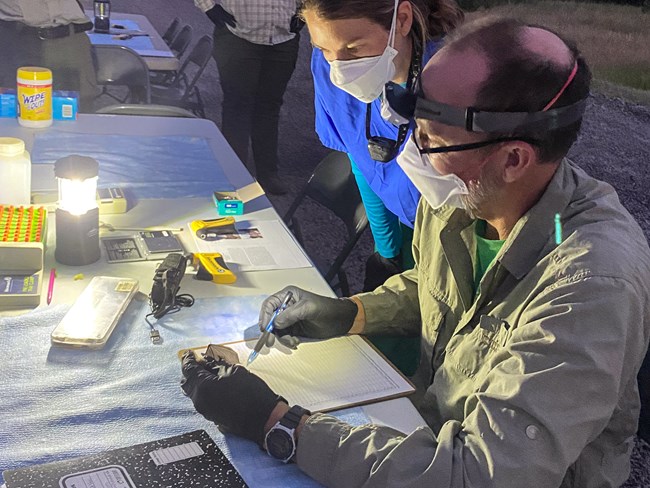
(320,376)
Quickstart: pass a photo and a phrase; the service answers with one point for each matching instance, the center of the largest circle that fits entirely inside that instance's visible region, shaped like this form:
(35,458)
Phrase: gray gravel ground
(614,146)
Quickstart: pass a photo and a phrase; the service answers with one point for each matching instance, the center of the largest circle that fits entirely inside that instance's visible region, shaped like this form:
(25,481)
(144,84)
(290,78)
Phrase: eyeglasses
(466,147)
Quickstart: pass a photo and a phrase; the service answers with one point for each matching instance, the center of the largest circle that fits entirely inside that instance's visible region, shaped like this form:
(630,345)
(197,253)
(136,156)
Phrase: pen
(558,229)
(50,286)
(268,329)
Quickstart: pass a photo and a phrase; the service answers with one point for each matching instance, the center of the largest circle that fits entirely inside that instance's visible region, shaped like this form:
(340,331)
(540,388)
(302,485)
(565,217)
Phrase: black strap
(368,119)
(81,7)
(291,419)
(54,32)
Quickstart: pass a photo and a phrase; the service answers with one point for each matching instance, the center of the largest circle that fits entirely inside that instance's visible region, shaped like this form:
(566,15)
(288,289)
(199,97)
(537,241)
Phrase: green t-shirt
(486,251)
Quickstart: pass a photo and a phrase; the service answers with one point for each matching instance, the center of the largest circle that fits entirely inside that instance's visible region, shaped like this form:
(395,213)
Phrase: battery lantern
(77,215)
(102,16)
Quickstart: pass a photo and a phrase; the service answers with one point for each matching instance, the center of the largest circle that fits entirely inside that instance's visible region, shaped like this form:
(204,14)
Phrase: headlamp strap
(564,87)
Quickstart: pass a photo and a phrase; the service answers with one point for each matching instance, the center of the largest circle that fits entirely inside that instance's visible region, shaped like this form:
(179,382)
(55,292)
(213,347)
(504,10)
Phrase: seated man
(530,292)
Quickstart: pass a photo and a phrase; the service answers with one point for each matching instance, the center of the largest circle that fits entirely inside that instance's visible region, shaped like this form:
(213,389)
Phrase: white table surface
(154,63)
(398,413)
(175,213)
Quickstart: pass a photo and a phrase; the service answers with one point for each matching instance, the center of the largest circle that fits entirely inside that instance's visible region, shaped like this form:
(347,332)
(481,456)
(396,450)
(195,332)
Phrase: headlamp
(383,149)
(411,105)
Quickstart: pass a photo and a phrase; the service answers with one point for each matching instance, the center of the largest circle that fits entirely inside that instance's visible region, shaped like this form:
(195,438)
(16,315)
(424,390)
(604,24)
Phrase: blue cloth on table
(150,166)
(137,43)
(58,403)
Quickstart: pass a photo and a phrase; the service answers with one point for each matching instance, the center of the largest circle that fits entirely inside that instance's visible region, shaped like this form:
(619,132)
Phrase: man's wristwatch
(280,441)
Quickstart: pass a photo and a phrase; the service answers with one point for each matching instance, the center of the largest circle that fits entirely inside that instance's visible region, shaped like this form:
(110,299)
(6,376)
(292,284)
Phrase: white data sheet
(256,245)
(325,375)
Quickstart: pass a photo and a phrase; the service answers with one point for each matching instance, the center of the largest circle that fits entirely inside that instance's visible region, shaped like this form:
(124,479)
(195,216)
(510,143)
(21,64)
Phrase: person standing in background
(51,34)
(358,47)
(256,47)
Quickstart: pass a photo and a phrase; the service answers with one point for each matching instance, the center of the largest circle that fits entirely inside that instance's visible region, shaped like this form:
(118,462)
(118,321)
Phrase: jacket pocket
(471,351)
(434,310)
(433,315)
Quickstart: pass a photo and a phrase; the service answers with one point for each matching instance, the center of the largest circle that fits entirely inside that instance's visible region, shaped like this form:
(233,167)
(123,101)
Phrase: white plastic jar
(34,96)
(15,172)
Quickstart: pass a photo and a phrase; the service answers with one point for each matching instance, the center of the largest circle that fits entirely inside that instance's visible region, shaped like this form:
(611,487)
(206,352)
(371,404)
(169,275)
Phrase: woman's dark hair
(431,18)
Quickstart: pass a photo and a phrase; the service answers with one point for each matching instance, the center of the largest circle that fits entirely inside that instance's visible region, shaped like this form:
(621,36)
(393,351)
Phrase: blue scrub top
(341,125)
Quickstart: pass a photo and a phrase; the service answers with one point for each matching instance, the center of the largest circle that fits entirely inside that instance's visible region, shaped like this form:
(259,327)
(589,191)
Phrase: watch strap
(288,424)
(291,419)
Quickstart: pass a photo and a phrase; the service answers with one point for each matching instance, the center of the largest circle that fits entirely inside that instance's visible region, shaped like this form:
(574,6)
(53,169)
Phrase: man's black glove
(307,315)
(296,24)
(379,269)
(229,395)
(220,17)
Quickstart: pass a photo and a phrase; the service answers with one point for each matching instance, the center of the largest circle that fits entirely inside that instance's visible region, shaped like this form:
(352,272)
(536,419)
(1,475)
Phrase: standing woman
(359,45)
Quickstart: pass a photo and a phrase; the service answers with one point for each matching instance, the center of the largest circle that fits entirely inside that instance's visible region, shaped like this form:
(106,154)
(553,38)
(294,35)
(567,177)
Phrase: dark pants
(69,58)
(644,391)
(403,352)
(253,80)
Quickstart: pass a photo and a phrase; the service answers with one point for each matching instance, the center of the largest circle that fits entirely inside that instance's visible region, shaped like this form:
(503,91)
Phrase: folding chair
(121,66)
(179,44)
(333,186)
(171,31)
(183,90)
(140,109)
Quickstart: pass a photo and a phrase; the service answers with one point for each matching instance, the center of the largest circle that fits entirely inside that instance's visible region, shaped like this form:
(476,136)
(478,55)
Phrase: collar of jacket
(533,230)
(536,228)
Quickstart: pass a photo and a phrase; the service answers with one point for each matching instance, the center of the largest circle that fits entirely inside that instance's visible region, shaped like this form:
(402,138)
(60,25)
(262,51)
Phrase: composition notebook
(321,375)
(188,460)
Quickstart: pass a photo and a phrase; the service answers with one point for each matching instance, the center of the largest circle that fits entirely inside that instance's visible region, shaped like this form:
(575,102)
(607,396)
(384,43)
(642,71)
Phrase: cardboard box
(111,201)
(232,202)
(7,102)
(21,274)
(65,104)
(228,203)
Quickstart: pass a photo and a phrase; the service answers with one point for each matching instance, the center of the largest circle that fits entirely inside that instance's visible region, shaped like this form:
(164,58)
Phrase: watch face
(279,444)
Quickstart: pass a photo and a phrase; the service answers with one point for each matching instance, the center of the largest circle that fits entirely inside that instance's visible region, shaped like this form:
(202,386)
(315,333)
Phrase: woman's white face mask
(435,188)
(390,115)
(364,78)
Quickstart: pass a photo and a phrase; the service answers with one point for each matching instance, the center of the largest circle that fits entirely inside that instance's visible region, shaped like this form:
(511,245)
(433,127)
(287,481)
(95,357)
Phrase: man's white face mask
(364,78)
(435,188)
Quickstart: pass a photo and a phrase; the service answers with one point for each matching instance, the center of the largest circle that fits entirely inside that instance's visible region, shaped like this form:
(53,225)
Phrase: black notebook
(188,460)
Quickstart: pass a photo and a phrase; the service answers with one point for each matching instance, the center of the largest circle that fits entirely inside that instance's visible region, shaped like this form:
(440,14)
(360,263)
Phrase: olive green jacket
(535,376)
